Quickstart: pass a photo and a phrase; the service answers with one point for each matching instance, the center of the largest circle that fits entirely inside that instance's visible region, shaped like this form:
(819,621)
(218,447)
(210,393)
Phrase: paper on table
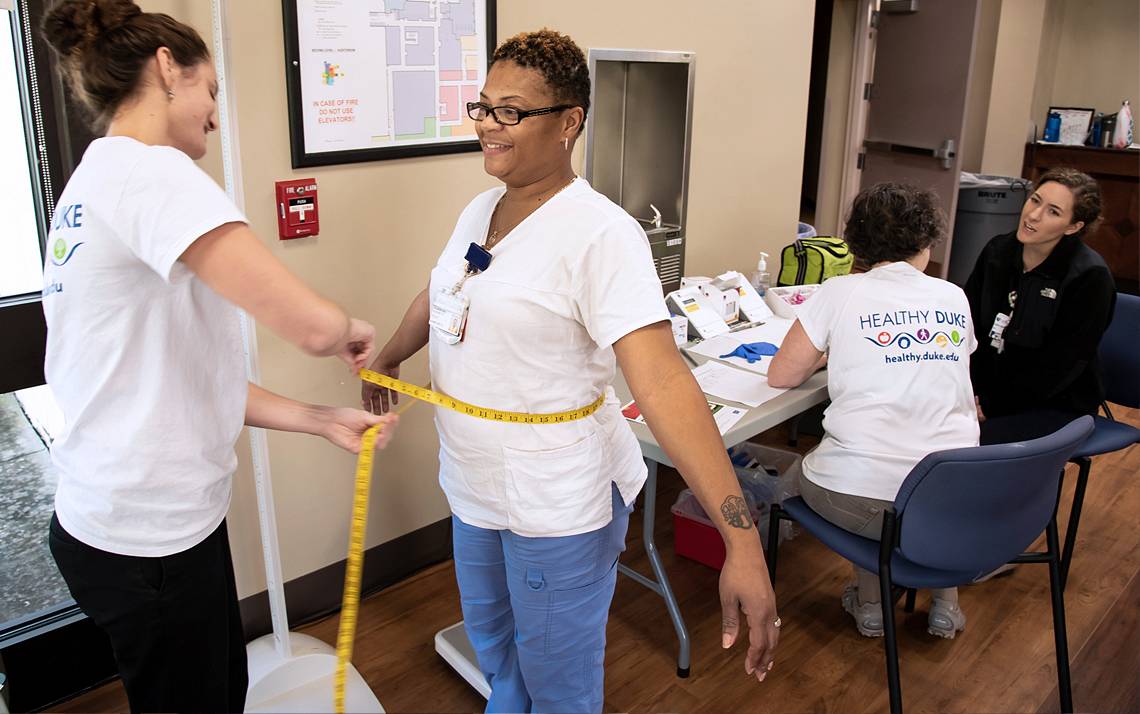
(773,330)
(733,384)
(724,415)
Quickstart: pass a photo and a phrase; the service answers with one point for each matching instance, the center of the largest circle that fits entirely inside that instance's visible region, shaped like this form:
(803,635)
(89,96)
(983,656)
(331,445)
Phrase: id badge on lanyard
(1001,321)
(449,306)
(449,314)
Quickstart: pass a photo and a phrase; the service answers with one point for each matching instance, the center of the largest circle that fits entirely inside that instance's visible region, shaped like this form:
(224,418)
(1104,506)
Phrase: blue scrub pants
(535,610)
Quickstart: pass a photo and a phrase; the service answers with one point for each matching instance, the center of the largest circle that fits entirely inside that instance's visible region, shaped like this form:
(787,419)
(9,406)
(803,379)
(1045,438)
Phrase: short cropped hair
(557,58)
(891,222)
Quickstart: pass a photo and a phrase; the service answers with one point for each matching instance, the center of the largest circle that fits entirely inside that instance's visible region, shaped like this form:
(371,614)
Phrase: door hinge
(860,160)
(868,90)
(875,19)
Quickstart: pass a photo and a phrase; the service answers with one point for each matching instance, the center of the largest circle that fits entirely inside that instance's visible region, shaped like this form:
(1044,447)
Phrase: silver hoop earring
(170,95)
(566,144)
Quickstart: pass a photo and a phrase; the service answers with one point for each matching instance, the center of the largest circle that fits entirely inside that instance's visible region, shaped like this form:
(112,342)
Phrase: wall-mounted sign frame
(383,79)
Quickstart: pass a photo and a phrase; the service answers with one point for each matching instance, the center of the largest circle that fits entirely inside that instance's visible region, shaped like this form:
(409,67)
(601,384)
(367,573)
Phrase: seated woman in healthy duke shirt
(897,344)
(540,512)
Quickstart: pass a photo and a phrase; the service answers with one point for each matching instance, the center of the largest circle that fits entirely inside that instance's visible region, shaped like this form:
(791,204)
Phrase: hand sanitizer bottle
(761,280)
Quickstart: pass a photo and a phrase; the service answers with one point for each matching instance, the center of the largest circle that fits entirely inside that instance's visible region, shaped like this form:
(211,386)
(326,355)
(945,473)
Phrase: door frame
(862,74)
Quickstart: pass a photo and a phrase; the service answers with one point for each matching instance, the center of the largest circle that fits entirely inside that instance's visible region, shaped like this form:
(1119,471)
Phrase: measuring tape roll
(442,400)
(350,606)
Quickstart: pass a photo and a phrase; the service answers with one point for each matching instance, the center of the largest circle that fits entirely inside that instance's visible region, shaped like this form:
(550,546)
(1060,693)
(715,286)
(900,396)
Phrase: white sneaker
(868,616)
(946,619)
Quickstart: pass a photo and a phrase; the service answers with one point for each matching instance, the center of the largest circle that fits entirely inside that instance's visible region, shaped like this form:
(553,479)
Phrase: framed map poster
(384,79)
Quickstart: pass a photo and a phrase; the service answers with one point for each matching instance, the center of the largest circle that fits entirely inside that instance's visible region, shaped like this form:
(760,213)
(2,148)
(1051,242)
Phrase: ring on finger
(778,623)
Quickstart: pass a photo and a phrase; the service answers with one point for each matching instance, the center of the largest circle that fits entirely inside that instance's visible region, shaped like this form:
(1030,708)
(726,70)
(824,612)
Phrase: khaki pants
(862,516)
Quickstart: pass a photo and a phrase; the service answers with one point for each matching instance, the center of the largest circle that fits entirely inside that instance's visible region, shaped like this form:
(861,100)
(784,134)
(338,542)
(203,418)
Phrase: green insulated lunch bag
(812,260)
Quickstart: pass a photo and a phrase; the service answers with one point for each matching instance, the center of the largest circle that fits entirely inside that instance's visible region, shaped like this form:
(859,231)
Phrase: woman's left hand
(345,427)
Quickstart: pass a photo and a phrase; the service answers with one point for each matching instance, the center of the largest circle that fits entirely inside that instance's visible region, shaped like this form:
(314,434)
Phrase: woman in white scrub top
(147,258)
(540,511)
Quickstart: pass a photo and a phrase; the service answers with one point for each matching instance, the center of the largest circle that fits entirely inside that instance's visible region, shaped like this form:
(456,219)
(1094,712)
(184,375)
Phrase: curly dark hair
(1087,202)
(890,222)
(558,58)
(103,46)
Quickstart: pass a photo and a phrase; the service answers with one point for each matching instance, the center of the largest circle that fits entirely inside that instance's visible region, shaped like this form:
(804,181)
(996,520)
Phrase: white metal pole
(259,449)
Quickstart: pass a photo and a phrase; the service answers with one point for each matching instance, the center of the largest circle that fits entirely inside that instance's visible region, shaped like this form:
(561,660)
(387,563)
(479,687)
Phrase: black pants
(173,621)
(1024,426)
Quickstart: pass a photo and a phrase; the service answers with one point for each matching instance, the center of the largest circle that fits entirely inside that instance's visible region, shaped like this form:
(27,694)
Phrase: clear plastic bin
(767,475)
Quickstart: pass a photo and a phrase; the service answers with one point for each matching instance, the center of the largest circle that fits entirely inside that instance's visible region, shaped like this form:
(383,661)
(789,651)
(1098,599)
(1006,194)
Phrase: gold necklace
(494,237)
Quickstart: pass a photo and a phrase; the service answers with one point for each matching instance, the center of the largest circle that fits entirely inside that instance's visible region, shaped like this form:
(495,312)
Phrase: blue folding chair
(1120,366)
(959,513)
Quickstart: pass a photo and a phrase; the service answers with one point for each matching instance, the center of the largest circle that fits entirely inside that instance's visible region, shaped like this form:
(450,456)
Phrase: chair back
(1119,353)
(973,509)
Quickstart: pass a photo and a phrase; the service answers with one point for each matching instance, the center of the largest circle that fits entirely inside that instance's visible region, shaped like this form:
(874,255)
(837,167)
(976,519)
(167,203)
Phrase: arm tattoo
(735,512)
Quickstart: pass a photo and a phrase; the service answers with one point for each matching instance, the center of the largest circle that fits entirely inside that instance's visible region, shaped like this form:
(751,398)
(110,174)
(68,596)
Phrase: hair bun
(75,24)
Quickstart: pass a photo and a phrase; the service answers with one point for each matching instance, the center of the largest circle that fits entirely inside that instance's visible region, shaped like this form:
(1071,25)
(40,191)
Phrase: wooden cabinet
(1117,238)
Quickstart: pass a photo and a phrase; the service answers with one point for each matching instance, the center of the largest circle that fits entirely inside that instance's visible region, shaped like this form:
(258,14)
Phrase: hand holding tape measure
(350,605)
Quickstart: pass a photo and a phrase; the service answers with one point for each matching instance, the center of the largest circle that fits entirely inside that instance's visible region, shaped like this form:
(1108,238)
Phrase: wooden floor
(1003,662)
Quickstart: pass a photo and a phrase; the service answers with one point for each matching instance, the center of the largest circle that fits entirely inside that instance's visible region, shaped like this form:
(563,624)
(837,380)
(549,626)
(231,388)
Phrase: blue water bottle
(1053,127)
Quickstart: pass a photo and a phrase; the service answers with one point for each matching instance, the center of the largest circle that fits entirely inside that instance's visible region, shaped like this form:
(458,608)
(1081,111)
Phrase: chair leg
(892,647)
(1084,464)
(1057,594)
(910,593)
(775,516)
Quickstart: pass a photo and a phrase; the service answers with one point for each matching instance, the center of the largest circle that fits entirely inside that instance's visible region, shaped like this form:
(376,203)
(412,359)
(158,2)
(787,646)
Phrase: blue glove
(753,351)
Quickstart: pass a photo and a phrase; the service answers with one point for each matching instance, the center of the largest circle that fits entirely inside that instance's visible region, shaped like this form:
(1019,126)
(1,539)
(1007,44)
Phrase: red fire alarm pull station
(297,213)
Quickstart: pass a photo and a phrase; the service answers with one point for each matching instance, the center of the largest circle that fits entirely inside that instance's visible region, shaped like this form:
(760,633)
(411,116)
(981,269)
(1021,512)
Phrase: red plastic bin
(694,535)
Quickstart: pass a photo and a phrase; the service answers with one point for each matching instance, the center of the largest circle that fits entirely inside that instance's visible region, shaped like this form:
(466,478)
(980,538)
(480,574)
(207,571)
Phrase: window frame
(55,135)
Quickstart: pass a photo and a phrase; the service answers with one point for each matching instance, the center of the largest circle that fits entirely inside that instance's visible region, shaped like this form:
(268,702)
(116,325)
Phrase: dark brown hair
(890,222)
(103,46)
(1087,205)
(557,58)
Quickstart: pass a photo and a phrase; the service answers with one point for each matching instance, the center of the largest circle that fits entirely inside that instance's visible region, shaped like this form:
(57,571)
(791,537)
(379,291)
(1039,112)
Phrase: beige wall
(1014,76)
(1096,56)
(383,225)
(1075,53)
(981,84)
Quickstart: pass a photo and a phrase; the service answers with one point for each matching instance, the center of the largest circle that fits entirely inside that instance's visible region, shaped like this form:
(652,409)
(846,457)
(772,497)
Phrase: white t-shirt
(573,278)
(144,359)
(898,373)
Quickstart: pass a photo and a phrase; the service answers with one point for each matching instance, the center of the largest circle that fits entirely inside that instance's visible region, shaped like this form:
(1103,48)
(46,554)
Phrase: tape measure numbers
(442,400)
(350,605)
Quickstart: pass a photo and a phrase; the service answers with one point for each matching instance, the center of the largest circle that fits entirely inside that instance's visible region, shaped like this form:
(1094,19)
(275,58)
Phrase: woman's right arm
(410,337)
(237,266)
(796,360)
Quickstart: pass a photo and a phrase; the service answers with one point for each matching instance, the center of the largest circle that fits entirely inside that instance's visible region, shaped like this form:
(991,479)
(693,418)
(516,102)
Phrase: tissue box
(786,301)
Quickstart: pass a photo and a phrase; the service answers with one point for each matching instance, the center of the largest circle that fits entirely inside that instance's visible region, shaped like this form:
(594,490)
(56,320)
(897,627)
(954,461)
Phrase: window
(21,261)
(40,138)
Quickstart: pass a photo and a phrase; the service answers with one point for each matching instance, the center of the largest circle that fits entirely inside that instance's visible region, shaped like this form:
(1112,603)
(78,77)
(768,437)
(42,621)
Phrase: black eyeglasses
(508,116)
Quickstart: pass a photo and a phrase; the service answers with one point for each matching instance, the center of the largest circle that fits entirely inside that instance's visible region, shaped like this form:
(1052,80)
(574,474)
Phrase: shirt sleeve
(818,315)
(167,204)
(618,290)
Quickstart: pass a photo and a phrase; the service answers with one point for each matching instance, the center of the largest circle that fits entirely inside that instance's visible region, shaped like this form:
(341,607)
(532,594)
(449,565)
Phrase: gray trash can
(987,206)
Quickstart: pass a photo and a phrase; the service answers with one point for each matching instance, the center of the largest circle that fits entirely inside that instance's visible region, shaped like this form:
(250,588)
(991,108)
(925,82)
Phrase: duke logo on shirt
(60,252)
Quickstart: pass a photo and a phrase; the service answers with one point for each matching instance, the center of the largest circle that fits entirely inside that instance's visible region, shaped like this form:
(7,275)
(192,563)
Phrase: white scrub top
(569,281)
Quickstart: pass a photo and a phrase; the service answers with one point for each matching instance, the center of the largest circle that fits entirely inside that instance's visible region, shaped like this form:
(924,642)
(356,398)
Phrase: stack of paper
(735,385)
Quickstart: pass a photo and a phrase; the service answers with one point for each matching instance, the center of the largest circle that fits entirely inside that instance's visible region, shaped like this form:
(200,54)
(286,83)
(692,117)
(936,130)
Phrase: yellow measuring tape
(350,606)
